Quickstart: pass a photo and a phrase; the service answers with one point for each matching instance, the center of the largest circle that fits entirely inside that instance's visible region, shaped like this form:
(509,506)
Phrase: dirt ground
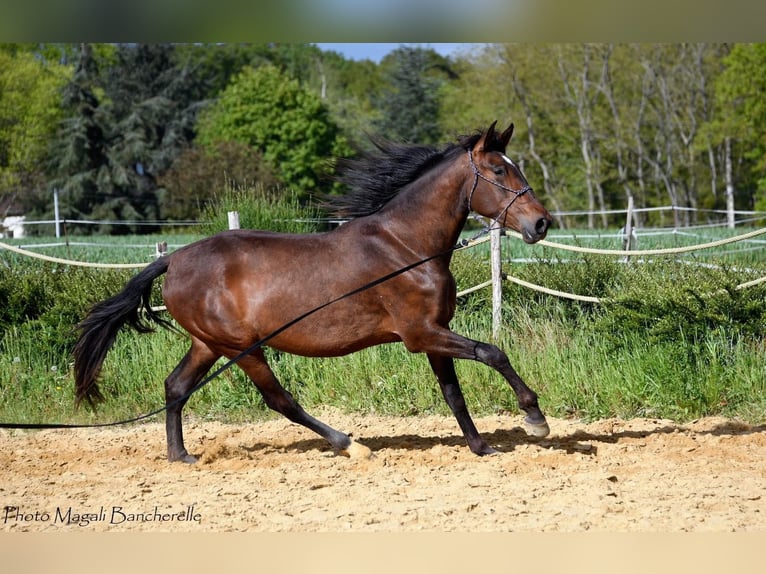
(611,475)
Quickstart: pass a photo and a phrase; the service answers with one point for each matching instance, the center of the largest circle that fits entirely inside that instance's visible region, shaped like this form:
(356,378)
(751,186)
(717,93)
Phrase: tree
(410,105)
(740,122)
(287,124)
(605,122)
(153,104)
(79,152)
(349,89)
(127,121)
(29,114)
(201,173)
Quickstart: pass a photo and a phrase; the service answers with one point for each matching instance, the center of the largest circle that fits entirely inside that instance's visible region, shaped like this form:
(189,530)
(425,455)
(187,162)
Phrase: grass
(574,374)
(638,355)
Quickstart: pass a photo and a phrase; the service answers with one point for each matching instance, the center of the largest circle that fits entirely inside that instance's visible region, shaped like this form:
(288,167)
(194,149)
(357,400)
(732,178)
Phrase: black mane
(374,178)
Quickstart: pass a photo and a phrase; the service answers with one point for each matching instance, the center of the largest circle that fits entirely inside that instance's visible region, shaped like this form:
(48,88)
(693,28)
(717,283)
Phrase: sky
(377,51)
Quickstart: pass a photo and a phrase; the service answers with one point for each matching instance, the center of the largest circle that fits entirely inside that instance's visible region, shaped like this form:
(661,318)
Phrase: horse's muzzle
(536,232)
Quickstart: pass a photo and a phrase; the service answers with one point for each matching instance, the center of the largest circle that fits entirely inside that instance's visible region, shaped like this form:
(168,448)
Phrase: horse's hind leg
(197,361)
(279,399)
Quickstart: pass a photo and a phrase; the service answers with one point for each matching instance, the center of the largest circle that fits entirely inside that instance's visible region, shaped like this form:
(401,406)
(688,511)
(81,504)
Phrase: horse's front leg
(444,369)
(441,342)
(492,356)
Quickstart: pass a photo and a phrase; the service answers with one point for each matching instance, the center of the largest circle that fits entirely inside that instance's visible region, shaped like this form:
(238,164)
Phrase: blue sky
(377,51)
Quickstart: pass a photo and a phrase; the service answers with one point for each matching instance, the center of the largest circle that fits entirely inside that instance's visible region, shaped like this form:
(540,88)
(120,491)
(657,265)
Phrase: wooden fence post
(160,249)
(628,241)
(56,212)
(497,281)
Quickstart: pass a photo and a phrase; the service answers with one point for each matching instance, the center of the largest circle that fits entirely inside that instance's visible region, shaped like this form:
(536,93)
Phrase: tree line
(146,132)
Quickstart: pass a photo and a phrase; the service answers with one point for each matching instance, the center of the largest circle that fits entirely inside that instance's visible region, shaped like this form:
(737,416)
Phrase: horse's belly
(333,332)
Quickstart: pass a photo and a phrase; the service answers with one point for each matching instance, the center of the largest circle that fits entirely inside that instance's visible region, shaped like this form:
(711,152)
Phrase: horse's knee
(491,355)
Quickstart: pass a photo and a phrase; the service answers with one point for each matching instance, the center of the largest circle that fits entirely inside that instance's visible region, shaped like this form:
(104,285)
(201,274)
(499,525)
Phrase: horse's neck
(429,214)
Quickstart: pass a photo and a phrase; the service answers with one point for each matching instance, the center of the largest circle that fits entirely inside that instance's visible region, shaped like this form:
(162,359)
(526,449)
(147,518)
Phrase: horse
(406,206)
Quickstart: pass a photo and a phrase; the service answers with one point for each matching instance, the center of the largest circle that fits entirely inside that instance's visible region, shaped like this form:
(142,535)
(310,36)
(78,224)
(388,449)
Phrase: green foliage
(350,90)
(598,122)
(742,111)
(44,303)
(592,275)
(259,209)
(30,110)
(289,125)
(595,123)
(199,173)
(125,125)
(410,102)
(668,303)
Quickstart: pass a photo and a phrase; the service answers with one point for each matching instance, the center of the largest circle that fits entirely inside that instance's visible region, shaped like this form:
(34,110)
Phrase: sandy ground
(611,475)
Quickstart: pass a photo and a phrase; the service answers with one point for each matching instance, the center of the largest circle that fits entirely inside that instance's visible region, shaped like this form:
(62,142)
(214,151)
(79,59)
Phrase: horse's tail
(98,330)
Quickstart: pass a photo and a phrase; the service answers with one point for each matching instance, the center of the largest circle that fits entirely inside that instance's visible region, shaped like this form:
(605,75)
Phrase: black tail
(99,329)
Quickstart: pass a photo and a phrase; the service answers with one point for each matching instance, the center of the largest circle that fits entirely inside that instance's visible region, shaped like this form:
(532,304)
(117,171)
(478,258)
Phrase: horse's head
(500,191)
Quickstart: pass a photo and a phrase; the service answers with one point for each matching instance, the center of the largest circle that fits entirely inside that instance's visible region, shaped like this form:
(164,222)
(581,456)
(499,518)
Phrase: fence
(498,276)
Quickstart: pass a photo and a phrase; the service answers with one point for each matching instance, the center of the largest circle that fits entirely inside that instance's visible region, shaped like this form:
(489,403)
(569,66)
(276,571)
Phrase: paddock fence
(496,262)
(494,237)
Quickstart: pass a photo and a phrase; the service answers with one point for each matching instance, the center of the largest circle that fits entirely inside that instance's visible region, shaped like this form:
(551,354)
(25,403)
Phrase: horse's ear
(505,137)
(487,141)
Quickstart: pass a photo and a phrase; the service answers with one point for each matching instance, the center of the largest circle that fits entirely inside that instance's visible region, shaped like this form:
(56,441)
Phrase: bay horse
(407,205)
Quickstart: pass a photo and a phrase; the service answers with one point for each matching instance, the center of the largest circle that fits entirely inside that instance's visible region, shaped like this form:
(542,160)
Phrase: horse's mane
(375,177)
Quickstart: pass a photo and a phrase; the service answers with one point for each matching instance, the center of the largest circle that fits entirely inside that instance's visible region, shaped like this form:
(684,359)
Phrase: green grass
(574,374)
(667,343)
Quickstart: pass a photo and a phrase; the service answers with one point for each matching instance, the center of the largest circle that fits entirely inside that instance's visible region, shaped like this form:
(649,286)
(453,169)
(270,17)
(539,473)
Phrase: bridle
(477,175)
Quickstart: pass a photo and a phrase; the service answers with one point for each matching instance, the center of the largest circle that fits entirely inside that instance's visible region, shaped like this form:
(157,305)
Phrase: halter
(516,192)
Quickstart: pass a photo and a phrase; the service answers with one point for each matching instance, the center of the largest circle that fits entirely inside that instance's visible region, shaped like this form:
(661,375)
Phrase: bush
(45,302)
(259,210)
(191,182)
(669,302)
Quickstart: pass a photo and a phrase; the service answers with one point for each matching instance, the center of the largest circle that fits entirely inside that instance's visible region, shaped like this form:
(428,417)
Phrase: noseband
(477,175)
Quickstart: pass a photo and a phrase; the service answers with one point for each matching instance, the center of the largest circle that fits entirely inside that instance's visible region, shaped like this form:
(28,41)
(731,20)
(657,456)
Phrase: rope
(644,252)
(476,288)
(751,283)
(70,261)
(589,299)
(585,298)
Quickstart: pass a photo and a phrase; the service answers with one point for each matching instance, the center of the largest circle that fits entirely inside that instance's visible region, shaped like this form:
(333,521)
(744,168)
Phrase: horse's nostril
(542,225)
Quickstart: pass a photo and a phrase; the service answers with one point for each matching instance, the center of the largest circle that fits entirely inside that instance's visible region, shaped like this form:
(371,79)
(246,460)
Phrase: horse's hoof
(488,451)
(185,458)
(539,430)
(357,451)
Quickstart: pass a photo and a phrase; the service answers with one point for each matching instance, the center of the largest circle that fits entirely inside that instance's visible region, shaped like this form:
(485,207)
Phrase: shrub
(670,302)
(45,302)
(197,173)
(259,210)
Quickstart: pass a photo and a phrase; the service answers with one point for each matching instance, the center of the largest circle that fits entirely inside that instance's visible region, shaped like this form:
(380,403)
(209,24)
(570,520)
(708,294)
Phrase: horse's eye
(499,170)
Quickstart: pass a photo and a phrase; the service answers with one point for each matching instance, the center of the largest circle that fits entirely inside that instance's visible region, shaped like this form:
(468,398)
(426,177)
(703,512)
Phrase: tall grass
(575,374)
